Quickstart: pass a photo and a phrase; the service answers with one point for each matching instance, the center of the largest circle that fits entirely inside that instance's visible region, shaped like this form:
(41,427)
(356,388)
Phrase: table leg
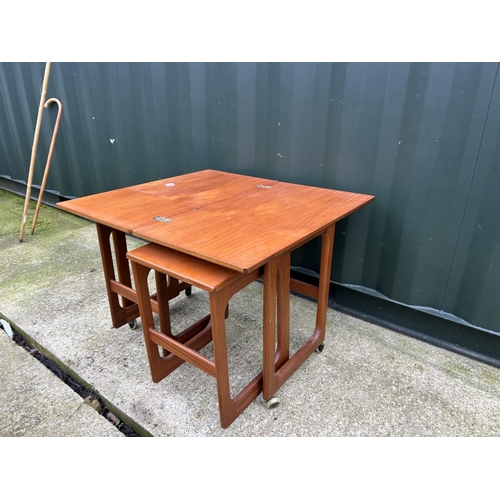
(191,340)
(122,264)
(277,366)
(127,311)
(120,315)
(229,408)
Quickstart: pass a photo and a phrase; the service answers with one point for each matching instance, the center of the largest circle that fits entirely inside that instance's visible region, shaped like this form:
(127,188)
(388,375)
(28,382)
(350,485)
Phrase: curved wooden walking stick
(49,157)
(33,149)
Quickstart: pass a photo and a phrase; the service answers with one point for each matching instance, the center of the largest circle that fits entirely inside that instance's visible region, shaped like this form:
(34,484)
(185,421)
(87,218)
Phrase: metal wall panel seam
(473,175)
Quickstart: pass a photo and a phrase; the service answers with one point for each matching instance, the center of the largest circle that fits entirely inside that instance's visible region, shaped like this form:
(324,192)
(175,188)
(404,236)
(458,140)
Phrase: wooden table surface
(234,220)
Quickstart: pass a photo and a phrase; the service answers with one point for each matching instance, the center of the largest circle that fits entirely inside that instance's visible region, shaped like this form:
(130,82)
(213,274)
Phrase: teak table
(238,222)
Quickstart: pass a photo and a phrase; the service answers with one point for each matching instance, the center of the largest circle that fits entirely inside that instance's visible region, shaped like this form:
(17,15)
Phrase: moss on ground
(49,219)
(48,252)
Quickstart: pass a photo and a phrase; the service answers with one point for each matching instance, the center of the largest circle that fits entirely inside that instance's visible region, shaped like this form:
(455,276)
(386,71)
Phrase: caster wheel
(133,324)
(320,348)
(187,291)
(272,403)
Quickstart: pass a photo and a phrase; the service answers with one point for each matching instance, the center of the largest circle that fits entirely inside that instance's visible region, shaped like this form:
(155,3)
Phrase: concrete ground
(34,402)
(368,381)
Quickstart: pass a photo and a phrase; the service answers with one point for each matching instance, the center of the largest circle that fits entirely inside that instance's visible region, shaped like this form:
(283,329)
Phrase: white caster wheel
(272,403)
(133,324)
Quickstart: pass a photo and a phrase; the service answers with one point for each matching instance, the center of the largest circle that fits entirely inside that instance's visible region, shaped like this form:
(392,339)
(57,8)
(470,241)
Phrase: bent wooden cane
(49,158)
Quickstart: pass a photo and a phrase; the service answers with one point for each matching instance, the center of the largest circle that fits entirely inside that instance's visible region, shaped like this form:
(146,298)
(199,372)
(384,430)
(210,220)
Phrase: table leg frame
(120,315)
(185,346)
(277,365)
(128,310)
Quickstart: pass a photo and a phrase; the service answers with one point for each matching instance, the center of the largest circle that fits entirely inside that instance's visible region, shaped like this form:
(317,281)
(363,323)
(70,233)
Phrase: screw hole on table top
(160,218)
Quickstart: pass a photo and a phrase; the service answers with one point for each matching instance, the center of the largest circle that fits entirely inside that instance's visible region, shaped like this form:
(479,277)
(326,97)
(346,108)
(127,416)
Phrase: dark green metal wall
(424,138)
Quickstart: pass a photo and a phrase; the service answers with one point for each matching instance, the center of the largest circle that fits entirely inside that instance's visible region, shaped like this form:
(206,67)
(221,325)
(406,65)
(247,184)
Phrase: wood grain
(200,273)
(233,220)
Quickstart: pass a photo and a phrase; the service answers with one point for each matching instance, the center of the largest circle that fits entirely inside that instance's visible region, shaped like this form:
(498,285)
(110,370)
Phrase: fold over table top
(233,220)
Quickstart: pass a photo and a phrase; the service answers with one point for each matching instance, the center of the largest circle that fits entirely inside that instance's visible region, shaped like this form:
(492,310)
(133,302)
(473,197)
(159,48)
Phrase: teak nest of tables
(218,231)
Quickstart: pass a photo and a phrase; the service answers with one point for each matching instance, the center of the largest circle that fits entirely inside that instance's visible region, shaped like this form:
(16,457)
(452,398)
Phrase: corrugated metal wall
(421,137)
